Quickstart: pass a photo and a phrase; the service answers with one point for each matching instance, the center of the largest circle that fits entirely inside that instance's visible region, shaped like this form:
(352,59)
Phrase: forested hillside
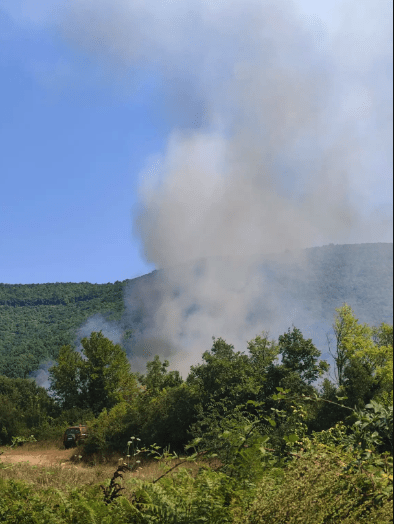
(37,319)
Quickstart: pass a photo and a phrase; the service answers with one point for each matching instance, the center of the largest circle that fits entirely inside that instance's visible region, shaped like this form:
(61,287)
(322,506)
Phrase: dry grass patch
(66,470)
(26,447)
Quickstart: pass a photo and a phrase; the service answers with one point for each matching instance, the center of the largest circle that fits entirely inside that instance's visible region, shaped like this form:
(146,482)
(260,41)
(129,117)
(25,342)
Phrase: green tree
(364,359)
(383,335)
(229,385)
(158,377)
(262,352)
(225,373)
(299,368)
(97,378)
(106,373)
(383,359)
(166,418)
(350,337)
(364,369)
(24,408)
(67,379)
(301,356)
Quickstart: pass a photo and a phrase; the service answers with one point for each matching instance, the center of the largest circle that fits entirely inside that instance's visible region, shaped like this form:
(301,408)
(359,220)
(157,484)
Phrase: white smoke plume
(281,140)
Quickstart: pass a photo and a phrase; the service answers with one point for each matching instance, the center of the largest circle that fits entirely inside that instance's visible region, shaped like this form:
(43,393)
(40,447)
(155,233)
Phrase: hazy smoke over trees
(281,140)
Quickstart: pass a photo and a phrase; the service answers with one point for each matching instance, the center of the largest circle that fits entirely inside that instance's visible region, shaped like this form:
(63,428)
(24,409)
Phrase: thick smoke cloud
(281,140)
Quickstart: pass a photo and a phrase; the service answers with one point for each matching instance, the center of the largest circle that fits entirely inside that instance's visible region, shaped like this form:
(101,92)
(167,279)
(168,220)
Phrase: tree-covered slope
(37,319)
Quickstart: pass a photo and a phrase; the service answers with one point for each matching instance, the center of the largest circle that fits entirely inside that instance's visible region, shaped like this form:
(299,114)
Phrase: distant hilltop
(325,277)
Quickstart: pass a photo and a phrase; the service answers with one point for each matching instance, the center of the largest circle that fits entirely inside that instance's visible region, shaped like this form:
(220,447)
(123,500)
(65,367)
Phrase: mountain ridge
(307,285)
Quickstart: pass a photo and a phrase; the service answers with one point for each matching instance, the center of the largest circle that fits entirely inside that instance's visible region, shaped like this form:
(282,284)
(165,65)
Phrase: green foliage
(350,337)
(230,375)
(18,441)
(317,489)
(262,352)
(328,412)
(167,417)
(301,356)
(106,374)
(234,438)
(109,432)
(163,419)
(37,319)
(98,381)
(24,408)
(210,497)
(299,367)
(383,335)
(67,379)
(364,359)
(337,475)
(322,485)
(158,378)
(285,452)
(371,427)
(223,374)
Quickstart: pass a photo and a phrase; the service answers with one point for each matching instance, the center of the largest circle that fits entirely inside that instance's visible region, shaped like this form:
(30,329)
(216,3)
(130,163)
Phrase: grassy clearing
(68,470)
(41,445)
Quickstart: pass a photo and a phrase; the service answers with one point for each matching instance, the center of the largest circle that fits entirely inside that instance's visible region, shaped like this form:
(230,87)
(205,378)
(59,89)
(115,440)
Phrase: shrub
(317,488)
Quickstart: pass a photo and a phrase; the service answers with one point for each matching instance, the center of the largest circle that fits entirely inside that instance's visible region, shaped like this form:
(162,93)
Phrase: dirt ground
(40,457)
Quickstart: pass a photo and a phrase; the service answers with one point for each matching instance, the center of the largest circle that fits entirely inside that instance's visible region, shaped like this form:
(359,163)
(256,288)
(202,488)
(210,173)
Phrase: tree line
(158,406)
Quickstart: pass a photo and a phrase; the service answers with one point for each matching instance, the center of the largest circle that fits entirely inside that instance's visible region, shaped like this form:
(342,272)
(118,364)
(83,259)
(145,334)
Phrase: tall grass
(315,488)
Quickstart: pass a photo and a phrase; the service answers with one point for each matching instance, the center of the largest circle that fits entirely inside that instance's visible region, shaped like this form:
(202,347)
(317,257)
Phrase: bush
(109,432)
(317,489)
(370,428)
(166,418)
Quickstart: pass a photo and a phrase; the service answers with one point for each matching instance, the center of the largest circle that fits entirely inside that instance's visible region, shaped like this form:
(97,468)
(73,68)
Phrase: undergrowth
(324,484)
(344,474)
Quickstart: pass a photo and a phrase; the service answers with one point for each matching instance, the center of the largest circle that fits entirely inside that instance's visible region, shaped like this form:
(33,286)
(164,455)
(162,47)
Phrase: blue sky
(84,119)
(70,156)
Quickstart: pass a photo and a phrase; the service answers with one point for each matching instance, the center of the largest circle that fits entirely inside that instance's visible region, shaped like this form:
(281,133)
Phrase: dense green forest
(37,319)
(286,450)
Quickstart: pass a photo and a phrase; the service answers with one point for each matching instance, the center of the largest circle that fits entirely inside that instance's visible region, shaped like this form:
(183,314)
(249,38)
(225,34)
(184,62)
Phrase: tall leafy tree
(262,352)
(224,373)
(364,358)
(300,365)
(299,368)
(383,335)
(383,358)
(67,379)
(24,407)
(158,377)
(364,368)
(97,378)
(301,356)
(225,382)
(351,337)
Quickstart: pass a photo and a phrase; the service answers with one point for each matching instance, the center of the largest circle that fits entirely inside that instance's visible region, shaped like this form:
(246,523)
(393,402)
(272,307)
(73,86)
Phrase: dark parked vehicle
(74,434)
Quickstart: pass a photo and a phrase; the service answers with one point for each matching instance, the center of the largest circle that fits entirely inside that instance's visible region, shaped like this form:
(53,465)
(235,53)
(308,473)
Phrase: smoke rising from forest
(281,140)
